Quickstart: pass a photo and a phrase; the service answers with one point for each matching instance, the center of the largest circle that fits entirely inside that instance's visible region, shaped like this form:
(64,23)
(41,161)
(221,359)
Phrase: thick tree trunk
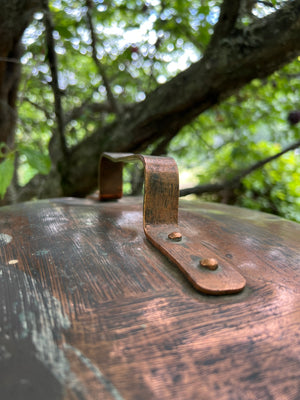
(15,16)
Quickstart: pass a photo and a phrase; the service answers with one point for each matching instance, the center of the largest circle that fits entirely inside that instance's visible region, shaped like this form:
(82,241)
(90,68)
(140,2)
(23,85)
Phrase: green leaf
(64,32)
(6,173)
(37,160)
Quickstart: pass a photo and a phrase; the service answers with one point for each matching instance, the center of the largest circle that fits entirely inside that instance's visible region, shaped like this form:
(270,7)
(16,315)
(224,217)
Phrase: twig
(46,112)
(267,3)
(229,14)
(12,60)
(77,112)
(235,181)
(97,62)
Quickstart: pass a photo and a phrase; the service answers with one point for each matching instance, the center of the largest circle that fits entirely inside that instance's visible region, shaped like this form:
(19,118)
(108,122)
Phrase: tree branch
(235,181)
(101,69)
(59,147)
(267,3)
(77,112)
(46,112)
(162,146)
(229,13)
(267,45)
(10,60)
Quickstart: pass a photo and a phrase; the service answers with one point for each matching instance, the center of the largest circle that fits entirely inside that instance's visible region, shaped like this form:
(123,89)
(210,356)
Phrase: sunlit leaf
(37,160)
(6,173)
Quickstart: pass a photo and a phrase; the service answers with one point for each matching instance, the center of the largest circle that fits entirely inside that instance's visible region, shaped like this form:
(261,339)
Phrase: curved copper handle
(160,220)
(161,191)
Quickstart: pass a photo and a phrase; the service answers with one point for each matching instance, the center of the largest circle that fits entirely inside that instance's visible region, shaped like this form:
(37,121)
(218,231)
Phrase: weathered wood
(89,309)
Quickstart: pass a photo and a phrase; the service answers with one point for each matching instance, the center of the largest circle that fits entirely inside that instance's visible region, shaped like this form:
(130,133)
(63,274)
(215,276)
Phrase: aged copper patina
(90,310)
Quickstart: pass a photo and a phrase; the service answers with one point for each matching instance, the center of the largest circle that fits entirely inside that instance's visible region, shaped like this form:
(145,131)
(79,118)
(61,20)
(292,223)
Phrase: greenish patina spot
(41,252)
(5,239)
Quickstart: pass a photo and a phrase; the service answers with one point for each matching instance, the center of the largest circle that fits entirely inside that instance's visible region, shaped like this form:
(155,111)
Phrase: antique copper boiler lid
(202,304)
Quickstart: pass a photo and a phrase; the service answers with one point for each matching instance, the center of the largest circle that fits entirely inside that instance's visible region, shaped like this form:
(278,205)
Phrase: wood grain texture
(89,309)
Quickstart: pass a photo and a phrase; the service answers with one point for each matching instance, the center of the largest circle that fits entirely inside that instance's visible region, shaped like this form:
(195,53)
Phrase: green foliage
(141,45)
(275,189)
(6,170)
(245,129)
(38,161)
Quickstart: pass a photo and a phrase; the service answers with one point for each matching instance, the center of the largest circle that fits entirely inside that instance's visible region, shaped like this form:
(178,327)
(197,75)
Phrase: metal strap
(160,221)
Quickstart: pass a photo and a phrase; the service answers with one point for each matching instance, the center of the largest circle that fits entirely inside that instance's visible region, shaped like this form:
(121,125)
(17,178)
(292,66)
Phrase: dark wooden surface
(89,309)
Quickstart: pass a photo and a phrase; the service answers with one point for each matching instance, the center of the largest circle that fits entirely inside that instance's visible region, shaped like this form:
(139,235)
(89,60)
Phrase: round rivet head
(209,263)
(175,236)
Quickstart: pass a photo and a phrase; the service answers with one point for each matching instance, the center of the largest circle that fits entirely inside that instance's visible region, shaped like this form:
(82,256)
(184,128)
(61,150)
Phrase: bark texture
(15,16)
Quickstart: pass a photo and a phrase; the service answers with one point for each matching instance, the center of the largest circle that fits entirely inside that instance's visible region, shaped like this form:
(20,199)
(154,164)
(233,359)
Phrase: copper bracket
(160,220)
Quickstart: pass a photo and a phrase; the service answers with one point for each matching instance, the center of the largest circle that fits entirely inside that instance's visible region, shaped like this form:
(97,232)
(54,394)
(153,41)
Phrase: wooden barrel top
(89,309)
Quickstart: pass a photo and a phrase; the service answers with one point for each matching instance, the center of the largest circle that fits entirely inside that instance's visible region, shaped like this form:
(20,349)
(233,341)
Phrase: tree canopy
(213,83)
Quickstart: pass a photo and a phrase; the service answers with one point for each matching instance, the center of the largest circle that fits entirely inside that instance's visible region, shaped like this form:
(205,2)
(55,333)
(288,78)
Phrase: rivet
(175,236)
(209,263)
